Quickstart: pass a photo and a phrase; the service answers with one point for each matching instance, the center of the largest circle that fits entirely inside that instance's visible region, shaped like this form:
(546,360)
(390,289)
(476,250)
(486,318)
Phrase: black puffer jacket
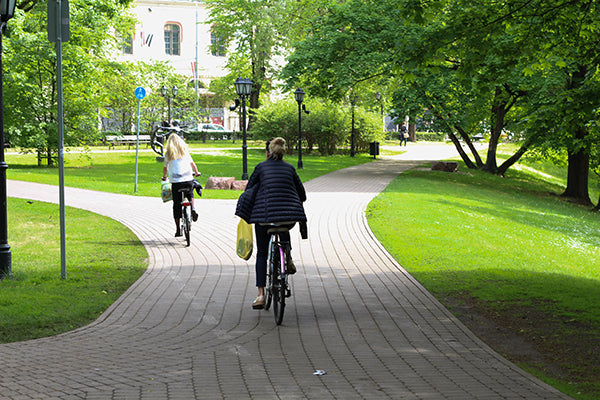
(274,194)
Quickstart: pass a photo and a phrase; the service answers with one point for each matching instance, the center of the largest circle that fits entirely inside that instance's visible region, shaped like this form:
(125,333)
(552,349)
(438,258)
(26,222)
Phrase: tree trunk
(412,132)
(515,157)
(499,111)
(577,175)
(469,144)
(462,153)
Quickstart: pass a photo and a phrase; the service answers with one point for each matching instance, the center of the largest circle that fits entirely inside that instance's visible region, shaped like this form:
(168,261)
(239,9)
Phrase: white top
(180,170)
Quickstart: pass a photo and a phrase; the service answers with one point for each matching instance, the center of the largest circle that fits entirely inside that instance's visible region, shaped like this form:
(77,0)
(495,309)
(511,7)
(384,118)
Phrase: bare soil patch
(531,336)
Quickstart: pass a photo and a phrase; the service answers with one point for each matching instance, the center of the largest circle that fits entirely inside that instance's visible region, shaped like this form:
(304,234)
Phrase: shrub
(430,137)
(327,127)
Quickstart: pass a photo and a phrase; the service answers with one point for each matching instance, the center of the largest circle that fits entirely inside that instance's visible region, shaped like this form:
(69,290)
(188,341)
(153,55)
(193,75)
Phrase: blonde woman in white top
(181,170)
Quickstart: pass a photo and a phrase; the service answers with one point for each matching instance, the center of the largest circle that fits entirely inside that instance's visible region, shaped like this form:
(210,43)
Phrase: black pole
(352,135)
(300,166)
(5,255)
(244,147)
(169,104)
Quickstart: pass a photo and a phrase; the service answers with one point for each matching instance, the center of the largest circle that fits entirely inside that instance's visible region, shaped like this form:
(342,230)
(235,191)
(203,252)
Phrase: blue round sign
(140,92)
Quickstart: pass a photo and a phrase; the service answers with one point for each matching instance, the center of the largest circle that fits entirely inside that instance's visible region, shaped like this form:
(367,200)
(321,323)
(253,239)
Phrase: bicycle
(277,289)
(186,214)
(160,134)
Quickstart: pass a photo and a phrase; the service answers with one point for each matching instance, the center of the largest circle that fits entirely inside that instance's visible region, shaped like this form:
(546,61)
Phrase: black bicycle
(186,214)
(159,136)
(279,260)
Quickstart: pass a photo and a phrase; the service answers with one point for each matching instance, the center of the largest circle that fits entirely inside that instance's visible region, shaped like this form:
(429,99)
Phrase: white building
(175,31)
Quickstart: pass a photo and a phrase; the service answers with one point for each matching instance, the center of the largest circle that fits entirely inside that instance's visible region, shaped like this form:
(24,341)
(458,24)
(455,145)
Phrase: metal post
(352,134)
(5,254)
(300,166)
(169,105)
(244,147)
(137,145)
(61,160)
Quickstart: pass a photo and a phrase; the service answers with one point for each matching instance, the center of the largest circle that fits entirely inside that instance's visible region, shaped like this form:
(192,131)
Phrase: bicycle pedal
(288,292)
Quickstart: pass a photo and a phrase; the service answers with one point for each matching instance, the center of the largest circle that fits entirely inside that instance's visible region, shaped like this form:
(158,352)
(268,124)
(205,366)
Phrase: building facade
(176,32)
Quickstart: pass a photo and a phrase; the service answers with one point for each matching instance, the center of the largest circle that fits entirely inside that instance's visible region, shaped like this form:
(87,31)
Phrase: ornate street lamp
(165,93)
(299,95)
(353,102)
(243,88)
(7,10)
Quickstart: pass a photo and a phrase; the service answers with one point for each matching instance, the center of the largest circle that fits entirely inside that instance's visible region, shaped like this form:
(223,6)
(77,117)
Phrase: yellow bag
(244,240)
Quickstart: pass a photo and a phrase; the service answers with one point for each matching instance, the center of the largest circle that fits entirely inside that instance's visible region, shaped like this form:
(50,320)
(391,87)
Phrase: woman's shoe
(291,268)
(259,303)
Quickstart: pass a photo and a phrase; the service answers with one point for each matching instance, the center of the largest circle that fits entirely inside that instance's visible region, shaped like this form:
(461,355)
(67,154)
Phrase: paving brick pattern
(186,330)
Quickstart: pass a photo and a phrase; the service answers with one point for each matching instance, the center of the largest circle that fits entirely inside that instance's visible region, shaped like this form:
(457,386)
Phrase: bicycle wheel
(280,286)
(271,271)
(187,224)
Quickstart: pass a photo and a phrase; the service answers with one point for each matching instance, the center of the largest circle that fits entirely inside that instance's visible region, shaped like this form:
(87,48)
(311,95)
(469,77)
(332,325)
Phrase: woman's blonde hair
(175,148)
(277,148)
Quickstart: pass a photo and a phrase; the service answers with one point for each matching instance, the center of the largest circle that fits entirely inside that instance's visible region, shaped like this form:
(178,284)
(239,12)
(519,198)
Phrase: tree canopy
(30,72)
(527,68)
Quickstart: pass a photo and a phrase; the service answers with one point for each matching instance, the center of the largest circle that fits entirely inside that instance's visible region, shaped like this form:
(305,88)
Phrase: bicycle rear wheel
(280,286)
(187,224)
(271,272)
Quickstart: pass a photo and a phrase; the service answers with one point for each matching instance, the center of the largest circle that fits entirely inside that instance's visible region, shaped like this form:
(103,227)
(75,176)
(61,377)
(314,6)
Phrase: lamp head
(299,95)
(174,90)
(163,90)
(243,87)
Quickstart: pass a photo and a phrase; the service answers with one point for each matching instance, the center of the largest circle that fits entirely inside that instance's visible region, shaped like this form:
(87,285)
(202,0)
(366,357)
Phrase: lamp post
(243,88)
(353,102)
(7,10)
(378,97)
(165,93)
(299,95)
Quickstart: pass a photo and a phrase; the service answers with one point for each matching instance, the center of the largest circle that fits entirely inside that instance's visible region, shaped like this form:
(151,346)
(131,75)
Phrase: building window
(172,39)
(128,44)
(217,45)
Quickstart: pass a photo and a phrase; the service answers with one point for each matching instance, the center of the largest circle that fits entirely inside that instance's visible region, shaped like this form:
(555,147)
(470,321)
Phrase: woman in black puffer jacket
(274,194)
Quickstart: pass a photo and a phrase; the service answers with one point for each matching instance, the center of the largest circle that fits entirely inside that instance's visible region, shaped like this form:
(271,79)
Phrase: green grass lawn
(511,249)
(114,171)
(36,302)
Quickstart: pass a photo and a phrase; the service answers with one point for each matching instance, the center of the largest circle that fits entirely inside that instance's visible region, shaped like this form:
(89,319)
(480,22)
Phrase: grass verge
(114,171)
(518,264)
(104,259)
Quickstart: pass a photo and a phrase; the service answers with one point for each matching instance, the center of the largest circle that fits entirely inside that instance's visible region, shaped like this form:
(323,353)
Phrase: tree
(30,73)
(258,34)
(509,65)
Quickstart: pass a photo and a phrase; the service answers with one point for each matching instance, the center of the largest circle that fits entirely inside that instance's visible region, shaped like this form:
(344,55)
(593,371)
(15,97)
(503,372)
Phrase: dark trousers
(175,186)
(262,251)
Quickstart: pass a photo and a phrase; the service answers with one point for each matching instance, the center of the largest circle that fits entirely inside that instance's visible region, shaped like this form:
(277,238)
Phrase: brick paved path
(185,329)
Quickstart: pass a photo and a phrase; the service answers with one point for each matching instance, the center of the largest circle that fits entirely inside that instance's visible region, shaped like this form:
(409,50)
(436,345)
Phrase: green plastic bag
(245,240)
(165,191)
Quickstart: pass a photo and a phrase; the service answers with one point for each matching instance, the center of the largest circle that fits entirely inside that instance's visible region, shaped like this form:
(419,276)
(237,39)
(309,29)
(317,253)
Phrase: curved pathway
(185,329)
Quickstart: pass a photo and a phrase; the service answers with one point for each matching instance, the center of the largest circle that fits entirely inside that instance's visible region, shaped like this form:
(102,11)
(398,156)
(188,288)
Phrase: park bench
(128,140)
